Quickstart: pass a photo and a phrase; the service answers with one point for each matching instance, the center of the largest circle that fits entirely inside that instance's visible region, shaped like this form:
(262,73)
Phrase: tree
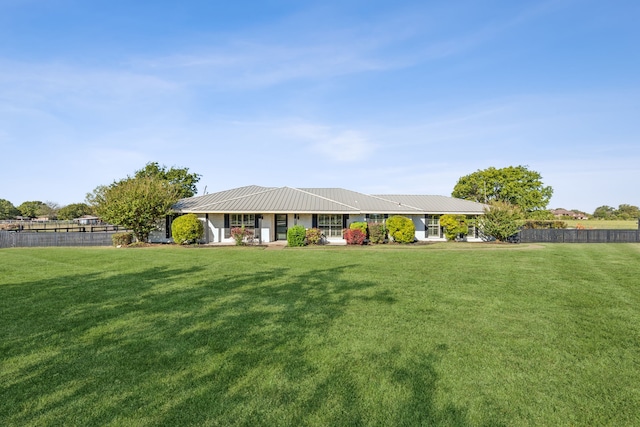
(32,209)
(7,210)
(74,210)
(500,220)
(454,226)
(49,209)
(136,203)
(628,212)
(516,185)
(187,229)
(180,177)
(604,212)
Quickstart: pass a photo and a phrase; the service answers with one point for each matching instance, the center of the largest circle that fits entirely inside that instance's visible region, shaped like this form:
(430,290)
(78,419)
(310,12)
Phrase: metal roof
(437,204)
(256,199)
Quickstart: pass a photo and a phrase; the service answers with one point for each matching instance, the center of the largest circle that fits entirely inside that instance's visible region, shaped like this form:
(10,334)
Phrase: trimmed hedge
(401,229)
(187,229)
(296,235)
(454,226)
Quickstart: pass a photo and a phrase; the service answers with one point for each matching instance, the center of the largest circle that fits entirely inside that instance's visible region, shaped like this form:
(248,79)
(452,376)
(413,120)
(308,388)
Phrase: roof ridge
(266,190)
(326,198)
(393,201)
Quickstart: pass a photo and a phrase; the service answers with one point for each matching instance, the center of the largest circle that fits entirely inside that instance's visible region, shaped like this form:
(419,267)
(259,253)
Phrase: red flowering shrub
(354,237)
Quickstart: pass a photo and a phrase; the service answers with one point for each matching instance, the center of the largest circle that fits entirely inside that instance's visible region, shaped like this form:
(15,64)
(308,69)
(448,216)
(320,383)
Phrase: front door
(281,226)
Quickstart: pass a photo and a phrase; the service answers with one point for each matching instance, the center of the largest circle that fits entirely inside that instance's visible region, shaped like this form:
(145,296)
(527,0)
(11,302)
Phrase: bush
(313,236)
(296,235)
(500,221)
(377,232)
(360,225)
(455,226)
(544,225)
(187,229)
(401,229)
(122,239)
(354,236)
(241,235)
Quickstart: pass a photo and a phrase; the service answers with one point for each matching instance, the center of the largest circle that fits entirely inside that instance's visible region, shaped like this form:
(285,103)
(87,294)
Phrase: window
(376,218)
(242,220)
(331,225)
(433,225)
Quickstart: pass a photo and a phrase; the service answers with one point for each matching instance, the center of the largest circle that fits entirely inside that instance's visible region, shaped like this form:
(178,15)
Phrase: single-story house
(270,211)
(563,213)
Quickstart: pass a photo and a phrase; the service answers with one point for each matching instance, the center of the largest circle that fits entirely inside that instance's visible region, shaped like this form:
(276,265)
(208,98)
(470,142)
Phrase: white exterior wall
(160,234)
(421,227)
(214,229)
(356,218)
(306,220)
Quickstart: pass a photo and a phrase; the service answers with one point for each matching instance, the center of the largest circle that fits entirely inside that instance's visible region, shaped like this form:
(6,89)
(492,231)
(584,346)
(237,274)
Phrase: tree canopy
(516,185)
(136,203)
(32,209)
(74,210)
(7,210)
(624,212)
(180,177)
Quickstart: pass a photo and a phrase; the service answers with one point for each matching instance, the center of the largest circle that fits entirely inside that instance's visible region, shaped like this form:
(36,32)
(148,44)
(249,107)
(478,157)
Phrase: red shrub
(354,237)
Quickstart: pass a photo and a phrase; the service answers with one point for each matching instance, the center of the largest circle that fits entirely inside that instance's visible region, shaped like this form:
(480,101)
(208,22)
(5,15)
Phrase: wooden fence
(578,236)
(12,239)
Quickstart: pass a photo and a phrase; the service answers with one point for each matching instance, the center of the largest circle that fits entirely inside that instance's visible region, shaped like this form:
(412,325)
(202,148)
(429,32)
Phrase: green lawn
(446,334)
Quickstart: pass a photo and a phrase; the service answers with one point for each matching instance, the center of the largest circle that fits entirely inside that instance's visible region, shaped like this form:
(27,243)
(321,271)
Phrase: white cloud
(337,145)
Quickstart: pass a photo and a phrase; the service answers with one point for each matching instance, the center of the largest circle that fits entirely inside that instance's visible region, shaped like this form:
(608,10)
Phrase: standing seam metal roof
(256,199)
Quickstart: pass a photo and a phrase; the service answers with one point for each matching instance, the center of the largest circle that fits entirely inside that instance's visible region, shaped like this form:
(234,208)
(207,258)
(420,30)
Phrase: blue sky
(378,97)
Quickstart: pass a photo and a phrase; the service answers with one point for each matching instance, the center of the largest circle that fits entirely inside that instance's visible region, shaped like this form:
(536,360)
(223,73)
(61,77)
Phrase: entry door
(281,227)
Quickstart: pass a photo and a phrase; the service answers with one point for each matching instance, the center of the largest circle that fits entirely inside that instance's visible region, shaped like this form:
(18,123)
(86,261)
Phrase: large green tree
(136,203)
(33,208)
(180,177)
(516,185)
(628,212)
(7,210)
(74,210)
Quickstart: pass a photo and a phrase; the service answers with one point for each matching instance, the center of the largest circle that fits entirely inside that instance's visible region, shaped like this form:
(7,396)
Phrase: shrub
(377,232)
(354,236)
(360,225)
(455,226)
(241,235)
(500,220)
(545,225)
(313,236)
(122,239)
(187,229)
(401,229)
(296,235)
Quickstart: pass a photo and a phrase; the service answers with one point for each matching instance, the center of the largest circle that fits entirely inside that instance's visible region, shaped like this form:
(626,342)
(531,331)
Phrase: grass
(602,224)
(446,334)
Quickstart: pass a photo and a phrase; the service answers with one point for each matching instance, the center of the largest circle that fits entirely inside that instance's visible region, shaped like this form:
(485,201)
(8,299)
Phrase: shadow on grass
(171,346)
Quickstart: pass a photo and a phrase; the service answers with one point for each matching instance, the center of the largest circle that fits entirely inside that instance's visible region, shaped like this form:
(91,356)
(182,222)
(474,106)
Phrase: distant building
(88,220)
(563,213)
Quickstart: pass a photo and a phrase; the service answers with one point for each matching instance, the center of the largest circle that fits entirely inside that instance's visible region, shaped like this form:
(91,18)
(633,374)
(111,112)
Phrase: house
(270,211)
(563,213)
